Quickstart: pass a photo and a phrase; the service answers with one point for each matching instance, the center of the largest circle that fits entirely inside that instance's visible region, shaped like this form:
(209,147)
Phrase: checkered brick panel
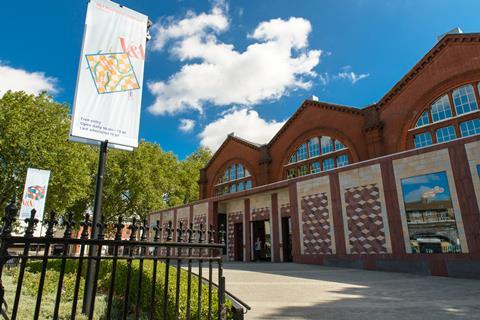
(260,214)
(364,218)
(316,224)
(233,217)
(285,210)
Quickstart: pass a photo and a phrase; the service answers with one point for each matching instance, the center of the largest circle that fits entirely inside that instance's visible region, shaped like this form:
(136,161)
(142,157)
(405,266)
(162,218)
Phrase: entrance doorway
(287,239)
(261,240)
(238,236)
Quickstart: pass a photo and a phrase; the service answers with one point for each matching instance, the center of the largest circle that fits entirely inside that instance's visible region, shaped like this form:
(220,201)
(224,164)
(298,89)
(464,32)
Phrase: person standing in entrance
(258,249)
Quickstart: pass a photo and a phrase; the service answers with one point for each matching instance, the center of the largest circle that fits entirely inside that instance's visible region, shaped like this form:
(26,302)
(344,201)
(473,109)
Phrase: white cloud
(245,123)
(22,80)
(215,72)
(186,125)
(351,76)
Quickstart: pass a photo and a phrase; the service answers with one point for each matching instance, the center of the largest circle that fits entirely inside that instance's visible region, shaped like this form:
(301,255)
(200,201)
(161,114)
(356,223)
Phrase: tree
(191,173)
(33,133)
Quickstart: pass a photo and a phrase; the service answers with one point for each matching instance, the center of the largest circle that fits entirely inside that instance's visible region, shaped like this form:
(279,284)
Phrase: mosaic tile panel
(285,210)
(233,218)
(366,233)
(260,214)
(316,224)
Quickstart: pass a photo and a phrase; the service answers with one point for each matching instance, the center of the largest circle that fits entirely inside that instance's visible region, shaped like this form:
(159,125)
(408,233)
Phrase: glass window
(315,167)
(432,227)
(441,109)
(303,170)
(423,120)
(248,185)
(293,158)
(240,171)
(240,186)
(339,145)
(422,139)
(247,173)
(302,152)
(313,147)
(225,176)
(470,127)
(327,144)
(464,99)
(233,188)
(328,164)
(445,134)
(342,160)
(232,172)
(291,173)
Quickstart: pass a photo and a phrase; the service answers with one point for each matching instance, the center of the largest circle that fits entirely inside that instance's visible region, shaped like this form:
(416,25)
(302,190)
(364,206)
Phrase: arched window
(317,154)
(440,123)
(235,178)
(464,99)
(441,109)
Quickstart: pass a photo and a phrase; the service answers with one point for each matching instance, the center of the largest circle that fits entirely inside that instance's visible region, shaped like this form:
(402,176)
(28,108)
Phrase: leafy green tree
(191,173)
(33,133)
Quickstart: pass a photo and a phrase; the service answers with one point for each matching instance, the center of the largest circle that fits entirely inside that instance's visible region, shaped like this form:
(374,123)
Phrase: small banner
(108,95)
(35,193)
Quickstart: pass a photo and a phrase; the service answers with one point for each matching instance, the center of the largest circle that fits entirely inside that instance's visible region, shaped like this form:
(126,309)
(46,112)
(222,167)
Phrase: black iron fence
(141,277)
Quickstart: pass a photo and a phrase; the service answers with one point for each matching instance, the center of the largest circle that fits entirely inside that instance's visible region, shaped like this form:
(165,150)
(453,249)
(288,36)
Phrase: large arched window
(317,154)
(454,114)
(235,178)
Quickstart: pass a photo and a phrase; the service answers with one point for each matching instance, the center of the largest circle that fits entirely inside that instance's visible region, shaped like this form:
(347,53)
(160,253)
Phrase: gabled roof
(232,137)
(317,104)
(425,61)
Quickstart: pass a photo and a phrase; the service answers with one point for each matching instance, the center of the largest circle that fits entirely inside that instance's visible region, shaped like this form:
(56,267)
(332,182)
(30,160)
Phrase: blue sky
(433,186)
(273,55)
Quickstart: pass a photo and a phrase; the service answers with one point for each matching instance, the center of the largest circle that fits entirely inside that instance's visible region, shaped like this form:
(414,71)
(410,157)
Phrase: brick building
(392,186)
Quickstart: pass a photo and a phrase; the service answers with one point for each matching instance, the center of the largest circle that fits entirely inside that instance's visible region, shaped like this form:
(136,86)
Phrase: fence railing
(142,277)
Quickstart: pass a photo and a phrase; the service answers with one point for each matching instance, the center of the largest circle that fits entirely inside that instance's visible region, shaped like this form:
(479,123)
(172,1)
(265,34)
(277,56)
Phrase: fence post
(222,314)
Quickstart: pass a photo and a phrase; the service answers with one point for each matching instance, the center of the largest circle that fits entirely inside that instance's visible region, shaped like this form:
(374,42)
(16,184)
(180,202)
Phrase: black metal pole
(97,218)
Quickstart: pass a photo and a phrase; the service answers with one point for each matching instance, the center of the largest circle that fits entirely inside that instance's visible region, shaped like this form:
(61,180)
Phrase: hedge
(104,279)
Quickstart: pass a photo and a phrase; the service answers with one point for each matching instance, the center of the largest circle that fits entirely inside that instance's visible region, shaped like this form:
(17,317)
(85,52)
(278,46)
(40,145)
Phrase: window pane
(342,160)
(328,164)
(240,186)
(291,173)
(293,158)
(302,152)
(240,171)
(445,134)
(315,167)
(423,120)
(247,173)
(431,223)
(339,145)
(232,172)
(248,185)
(302,170)
(327,144)
(423,139)
(470,127)
(313,147)
(233,188)
(464,99)
(441,109)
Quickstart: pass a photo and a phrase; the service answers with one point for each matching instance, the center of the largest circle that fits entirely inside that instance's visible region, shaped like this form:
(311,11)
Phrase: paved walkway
(295,291)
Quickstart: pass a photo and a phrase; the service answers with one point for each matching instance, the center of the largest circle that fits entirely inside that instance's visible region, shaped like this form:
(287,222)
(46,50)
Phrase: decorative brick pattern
(364,217)
(260,214)
(233,217)
(316,224)
(285,210)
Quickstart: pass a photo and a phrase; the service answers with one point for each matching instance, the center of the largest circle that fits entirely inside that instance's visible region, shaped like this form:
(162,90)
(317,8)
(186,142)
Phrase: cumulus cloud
(186,125)
(22,80)
(214,72)
(246,123)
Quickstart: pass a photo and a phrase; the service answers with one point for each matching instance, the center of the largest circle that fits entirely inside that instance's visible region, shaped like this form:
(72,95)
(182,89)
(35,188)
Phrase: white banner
(35,193)
(110,77)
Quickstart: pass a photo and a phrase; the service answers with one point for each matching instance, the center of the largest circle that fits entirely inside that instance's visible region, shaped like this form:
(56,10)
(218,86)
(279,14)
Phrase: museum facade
(394,186)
